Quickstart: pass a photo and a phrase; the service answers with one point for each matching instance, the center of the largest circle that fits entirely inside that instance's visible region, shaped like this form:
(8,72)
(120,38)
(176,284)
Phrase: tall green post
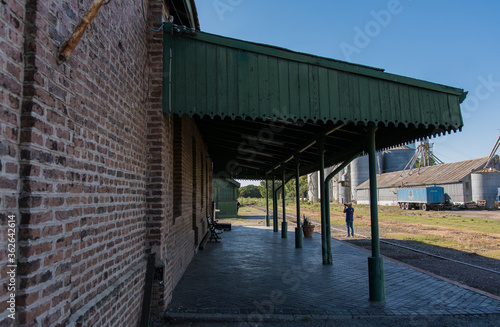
(268,223)
(327,197)
(328,228)
(298,229)
(376,276)
(275,207)
(325,233)
(284,224)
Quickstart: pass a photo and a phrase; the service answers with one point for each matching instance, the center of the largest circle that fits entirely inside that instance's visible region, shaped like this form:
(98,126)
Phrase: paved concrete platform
(254,275)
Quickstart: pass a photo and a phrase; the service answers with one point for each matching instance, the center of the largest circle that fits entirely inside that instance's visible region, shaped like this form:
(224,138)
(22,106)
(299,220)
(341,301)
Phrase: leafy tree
(289,188)
(262,188)
(250,191)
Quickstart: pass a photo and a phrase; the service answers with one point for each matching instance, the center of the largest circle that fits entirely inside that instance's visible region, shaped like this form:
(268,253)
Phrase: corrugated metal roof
(440,174)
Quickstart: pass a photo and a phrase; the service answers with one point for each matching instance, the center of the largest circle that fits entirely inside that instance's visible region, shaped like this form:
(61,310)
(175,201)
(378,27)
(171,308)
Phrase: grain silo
(360,172)
(344,190)
(312,187)
(334,196)
(396,159)
(485,184)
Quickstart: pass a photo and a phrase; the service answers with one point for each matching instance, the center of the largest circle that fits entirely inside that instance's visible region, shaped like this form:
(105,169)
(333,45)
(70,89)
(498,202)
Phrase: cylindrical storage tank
(360,171)
(397,159)
(312,187)
(333,184)
(485,184)
(343,186)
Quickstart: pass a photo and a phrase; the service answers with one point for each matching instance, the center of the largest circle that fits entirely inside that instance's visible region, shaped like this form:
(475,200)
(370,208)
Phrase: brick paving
(254,274)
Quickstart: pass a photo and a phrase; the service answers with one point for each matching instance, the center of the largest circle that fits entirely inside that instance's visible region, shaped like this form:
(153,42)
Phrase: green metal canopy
(257,106)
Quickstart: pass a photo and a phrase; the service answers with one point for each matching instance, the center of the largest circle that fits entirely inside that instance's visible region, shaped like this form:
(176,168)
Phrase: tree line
(254,191)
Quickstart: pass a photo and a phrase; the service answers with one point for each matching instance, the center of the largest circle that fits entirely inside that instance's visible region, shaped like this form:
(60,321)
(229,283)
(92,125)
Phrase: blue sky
(456,43)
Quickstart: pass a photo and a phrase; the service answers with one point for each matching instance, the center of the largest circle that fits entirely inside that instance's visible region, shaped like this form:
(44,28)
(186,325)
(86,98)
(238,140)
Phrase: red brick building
(88,162)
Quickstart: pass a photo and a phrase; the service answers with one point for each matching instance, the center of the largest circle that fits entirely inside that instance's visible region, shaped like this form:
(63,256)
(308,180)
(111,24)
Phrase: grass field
(447,229)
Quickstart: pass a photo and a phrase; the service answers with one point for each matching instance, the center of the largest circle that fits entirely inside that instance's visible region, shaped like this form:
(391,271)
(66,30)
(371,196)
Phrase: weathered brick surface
(12,14)
(87,165)
(186,229)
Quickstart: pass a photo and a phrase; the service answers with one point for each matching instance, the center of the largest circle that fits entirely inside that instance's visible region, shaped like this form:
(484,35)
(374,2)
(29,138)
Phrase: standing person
(349,219)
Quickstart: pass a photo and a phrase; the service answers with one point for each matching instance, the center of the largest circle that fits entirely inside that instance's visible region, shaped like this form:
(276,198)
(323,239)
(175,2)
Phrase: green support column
(376,277)
(268,223)
(284,224)
(328,228)
(275,208)
(327,197)
(298,229)
(325,233)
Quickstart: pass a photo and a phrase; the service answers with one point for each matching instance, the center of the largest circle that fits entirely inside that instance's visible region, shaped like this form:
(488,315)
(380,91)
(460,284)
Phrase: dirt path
(489,214)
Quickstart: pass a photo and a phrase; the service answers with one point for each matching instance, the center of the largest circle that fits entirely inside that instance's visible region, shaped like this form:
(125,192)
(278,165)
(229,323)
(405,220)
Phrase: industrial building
(343,187)
(463,181)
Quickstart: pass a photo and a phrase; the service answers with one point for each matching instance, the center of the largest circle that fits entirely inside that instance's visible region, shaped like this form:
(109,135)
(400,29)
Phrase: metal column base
(376,279)
(268,223)
(284,229)
(298,237)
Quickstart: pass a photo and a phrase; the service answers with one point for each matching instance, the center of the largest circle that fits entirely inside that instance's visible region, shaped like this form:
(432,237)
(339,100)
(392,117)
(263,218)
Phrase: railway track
(426,253)
(467,273)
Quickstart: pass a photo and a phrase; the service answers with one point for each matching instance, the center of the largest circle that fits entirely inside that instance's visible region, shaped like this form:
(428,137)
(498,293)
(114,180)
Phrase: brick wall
(185,230)
(11,74)
(82,199)
(87,165)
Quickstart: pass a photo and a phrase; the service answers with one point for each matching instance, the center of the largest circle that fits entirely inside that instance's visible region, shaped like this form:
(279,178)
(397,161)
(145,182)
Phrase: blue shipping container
(435,194)
(431,194)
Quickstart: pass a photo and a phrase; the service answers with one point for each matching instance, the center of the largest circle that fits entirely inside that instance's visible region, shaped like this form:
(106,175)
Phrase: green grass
(432,218)
(435,219)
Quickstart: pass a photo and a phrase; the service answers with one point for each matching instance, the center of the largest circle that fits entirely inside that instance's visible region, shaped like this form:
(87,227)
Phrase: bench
(213,230)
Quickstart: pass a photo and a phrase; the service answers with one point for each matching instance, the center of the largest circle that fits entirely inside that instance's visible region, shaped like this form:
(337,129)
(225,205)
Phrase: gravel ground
(470,276)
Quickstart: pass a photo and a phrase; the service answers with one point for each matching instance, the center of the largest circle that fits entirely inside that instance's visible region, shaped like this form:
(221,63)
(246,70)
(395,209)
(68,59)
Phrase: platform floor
(255,275)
